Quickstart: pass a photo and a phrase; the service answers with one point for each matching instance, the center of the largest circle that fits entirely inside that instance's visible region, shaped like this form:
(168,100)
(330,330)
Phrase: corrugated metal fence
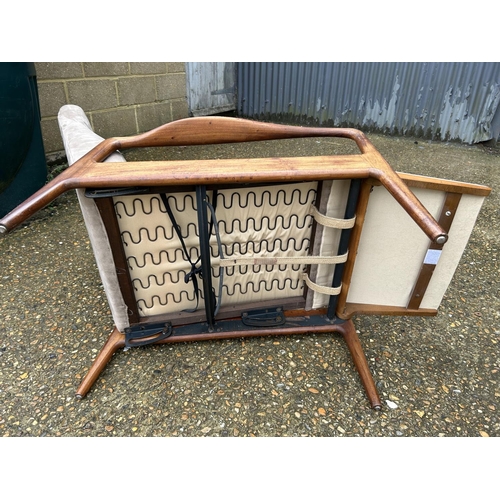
(447,101)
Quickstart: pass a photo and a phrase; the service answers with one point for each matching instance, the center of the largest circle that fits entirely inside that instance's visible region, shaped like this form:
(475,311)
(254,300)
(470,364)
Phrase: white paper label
(432,256)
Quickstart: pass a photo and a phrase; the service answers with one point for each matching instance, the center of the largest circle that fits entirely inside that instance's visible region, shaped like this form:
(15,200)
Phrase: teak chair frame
(364,170)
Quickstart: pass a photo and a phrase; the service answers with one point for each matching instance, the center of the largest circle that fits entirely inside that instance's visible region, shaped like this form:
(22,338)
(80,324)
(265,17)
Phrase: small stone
(419,413)
(391,404)
(314,391)
(322,411)
(206,430)
(484,434)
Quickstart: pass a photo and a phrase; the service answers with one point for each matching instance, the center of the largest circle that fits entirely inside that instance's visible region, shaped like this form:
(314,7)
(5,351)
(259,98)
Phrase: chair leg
(115,341)
(348,331)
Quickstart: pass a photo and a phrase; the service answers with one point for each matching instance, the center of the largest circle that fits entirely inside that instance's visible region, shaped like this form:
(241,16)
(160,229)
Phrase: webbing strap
(278,261)
(324,220)
(327,290)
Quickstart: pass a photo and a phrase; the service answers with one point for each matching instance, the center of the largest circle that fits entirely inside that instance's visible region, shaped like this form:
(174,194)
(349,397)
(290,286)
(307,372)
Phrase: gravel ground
(440,374)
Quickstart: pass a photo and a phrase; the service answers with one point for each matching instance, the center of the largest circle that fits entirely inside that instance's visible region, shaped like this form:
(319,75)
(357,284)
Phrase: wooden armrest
(89,171)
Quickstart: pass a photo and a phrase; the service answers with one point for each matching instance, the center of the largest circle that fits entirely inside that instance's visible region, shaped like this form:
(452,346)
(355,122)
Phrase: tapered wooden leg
(115,341)
(348,331)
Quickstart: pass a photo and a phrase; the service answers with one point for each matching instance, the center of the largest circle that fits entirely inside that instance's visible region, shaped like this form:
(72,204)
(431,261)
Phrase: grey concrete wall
(120,98)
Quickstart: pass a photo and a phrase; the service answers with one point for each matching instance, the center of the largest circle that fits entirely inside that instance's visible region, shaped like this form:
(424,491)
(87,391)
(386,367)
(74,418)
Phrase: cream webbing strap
(278,261)
(327,290)
(324,220)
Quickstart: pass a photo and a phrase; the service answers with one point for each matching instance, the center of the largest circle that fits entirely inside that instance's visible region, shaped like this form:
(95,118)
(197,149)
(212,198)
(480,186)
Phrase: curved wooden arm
(220,130)
(89,171)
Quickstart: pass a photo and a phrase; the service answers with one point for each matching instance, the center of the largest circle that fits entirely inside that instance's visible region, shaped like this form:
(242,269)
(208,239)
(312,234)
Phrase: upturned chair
(214,249)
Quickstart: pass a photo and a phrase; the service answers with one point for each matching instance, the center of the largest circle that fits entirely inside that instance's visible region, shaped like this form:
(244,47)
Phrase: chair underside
(216,249)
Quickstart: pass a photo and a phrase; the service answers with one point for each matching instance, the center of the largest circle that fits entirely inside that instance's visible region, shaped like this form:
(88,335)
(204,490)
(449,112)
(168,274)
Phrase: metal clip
(264,318)
(140,335)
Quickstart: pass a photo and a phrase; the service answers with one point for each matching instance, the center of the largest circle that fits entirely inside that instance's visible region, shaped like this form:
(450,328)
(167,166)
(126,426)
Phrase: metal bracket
(264,318)
(108,193)
(140,335)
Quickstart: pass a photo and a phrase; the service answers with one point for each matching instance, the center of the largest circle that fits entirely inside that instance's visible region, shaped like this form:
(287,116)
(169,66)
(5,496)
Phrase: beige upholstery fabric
(392,249)
(329,240)
(253,222)
(79,138)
